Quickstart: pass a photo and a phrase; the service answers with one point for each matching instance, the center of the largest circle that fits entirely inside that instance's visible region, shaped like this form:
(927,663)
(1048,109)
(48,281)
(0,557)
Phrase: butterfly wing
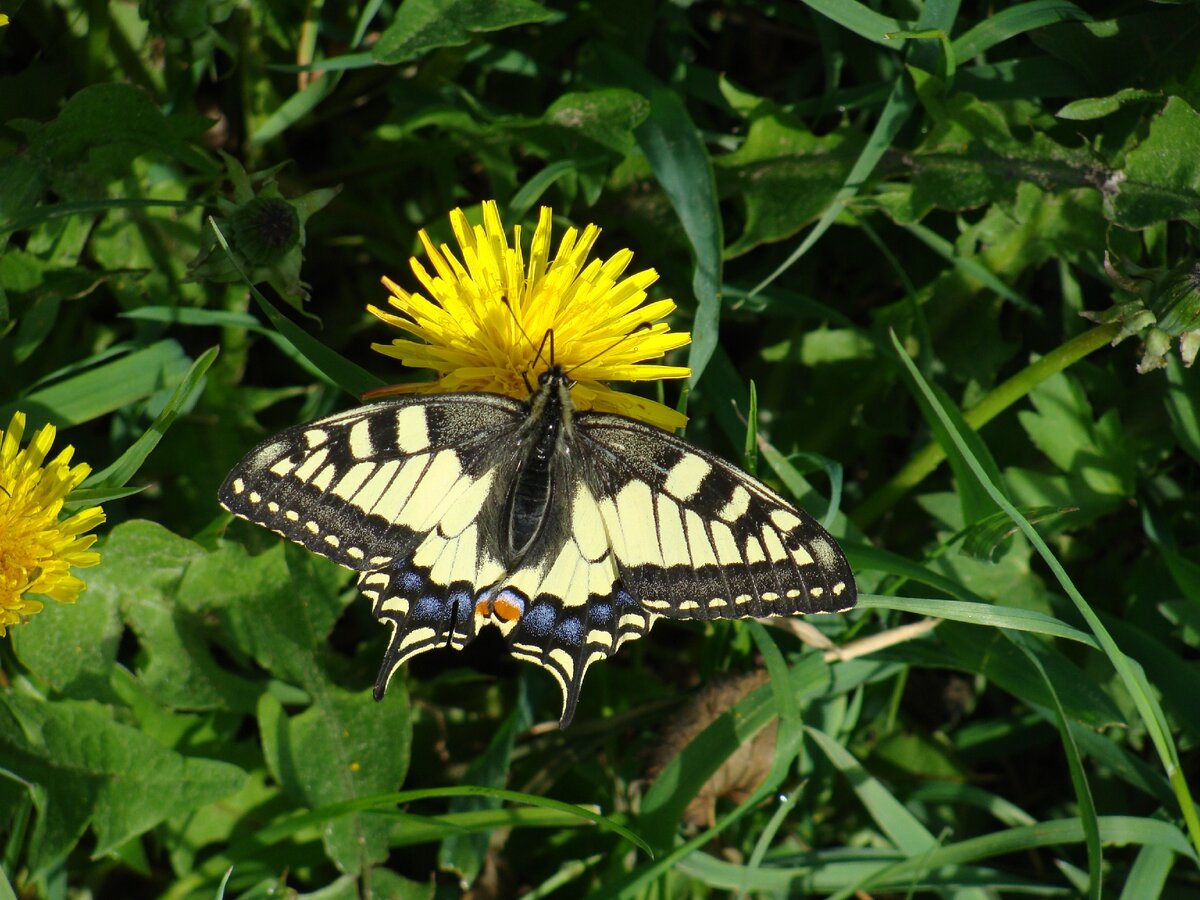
(407,492)
(695,538)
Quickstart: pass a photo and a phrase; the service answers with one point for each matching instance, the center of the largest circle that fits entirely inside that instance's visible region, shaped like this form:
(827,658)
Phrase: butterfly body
(571,531)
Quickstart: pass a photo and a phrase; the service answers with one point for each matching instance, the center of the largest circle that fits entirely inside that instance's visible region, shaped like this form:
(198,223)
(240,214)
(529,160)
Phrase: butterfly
(571,531)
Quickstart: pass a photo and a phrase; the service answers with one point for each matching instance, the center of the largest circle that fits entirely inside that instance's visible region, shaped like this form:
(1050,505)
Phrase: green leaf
(1148,874)
(118,474)
(1083,791)
(90,770)
(1147,704)
(154,581)
(1011,21)
(899,106)
(1095,454)
(897,823)
(335,368)
(296,823)
(103,388)
(783,174)
(974,501)
(107,114)
(860,19)
(1098,107)
(596,121)
(1161,177)
(984,614)
(343,747)
(422,25)
(278,606)
(987,653)
(683,776)
(985,537)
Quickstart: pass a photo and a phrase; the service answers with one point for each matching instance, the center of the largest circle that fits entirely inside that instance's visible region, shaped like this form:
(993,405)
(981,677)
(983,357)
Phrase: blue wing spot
(569,631)
(600,613)
(462,604)
(624,600)
(429,608)
(411,582)
(539,619)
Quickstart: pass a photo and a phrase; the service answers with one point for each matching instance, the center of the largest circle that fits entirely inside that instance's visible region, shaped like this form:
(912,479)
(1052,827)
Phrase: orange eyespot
(506,609)
(483,607)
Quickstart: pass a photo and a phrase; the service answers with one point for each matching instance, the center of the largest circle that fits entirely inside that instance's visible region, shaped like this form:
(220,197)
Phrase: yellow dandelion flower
(482,321)
(37,550)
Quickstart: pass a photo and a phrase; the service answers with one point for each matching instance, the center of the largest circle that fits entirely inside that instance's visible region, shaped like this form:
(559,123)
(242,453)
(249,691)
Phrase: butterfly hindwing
(696,538)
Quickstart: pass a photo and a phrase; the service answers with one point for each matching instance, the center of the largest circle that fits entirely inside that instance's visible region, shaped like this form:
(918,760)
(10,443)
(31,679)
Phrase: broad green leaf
(343,747)
(107,114)
(141,582)
(422,25)
(103,388)
(900,104)
(93,771)
(1161,177)
(604,120)
(72,647)
(783,174)
(1092,453)
(278,606)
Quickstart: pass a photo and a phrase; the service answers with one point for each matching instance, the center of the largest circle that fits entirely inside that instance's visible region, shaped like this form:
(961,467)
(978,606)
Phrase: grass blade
(681,164)
(1145,701)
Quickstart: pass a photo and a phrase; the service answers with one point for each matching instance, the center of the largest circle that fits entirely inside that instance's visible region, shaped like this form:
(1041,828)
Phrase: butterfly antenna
(537,348)
(645,326)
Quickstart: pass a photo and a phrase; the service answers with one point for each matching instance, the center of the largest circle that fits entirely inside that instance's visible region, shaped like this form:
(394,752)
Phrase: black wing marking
(695,538)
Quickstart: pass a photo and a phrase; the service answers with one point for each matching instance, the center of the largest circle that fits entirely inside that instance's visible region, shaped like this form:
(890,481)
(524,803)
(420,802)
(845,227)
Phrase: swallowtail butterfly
(570,531)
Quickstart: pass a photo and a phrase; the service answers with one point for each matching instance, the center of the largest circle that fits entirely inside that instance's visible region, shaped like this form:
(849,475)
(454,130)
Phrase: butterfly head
(553,394)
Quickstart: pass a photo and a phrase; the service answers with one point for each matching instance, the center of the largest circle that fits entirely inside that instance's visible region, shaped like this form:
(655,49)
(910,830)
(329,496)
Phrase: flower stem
(1004,395)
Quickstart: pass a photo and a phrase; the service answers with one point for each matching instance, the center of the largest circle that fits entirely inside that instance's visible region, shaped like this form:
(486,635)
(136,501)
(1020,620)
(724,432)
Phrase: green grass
(881,222)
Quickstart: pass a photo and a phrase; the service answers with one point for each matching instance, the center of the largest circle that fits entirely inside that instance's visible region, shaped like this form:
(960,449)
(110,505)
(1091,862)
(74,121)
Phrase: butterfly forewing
(367,486)
(696,538)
